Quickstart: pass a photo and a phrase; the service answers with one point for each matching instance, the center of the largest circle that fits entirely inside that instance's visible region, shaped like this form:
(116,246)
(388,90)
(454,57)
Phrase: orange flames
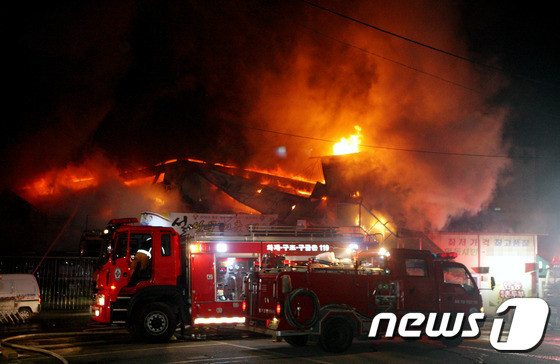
(350,145)
(58,181)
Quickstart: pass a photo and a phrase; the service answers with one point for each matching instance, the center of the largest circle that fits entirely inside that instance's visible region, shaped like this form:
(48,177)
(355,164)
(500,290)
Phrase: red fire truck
(197,280)
(335,303)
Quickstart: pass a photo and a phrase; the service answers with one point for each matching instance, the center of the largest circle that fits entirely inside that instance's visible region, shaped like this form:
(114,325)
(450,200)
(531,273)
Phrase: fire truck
(334,304)
(197,280)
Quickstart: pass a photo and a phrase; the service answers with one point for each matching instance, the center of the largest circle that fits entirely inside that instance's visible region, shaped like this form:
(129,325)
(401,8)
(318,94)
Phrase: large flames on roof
(349,145)
(60,182)
(311,89)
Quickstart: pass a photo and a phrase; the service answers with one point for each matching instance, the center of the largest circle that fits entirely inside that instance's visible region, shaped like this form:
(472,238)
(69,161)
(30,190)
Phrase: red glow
(56,181)
(449,255)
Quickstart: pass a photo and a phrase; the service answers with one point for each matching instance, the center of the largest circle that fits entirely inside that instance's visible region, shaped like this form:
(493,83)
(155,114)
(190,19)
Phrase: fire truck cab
(336,304)
(151,300)
(192,281)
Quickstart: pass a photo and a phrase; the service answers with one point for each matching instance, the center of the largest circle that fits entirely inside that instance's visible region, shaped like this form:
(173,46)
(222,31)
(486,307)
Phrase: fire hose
(7,342)
(290,315)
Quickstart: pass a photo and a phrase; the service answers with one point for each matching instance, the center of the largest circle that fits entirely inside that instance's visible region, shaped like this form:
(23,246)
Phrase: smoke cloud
(326,87)
(151,82)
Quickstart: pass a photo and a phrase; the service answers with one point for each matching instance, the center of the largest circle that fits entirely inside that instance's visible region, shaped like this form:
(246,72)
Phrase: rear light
(199,248)
(39,298)
(244,306)
(278,308)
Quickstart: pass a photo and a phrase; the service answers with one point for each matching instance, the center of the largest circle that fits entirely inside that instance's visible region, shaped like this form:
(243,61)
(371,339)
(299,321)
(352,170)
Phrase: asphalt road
(231,346)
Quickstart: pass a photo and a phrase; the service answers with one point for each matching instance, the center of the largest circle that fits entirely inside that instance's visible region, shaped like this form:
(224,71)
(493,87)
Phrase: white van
(25,290)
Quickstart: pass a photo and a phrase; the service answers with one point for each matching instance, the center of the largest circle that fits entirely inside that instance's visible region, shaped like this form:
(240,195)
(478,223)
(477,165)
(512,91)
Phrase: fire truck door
(118,271)
(458,292)
(419,288)
(202,283)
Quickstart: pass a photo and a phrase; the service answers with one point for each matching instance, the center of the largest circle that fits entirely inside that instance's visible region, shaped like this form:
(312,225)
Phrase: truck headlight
(101,300)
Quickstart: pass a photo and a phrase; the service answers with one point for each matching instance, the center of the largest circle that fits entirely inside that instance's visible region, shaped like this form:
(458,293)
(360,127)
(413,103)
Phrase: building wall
(509,258)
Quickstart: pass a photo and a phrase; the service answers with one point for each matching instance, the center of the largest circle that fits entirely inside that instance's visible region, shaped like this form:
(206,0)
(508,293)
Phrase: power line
(375,54)
(396,35)
(453,83)
(410,150)
(421,44)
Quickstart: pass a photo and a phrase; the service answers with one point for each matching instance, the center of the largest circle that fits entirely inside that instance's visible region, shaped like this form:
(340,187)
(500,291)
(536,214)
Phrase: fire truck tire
(336,336)
(156,322)
(299,340)
(290,316)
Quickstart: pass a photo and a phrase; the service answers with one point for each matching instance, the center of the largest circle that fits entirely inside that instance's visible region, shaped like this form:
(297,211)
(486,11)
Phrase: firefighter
(140,262)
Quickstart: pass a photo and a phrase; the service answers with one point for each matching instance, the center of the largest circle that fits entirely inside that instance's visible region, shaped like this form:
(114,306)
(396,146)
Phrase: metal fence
(65,282)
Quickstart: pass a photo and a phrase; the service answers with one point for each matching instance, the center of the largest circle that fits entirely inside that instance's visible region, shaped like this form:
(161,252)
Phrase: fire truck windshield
(458,275)
(106,246)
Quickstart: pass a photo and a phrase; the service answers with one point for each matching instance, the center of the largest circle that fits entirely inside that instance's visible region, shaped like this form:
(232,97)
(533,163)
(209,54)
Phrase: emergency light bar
(125,221)
(446,255)
(116,223)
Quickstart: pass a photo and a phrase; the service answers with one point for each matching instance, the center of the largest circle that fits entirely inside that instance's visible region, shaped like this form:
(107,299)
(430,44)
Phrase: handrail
(260,230)
(372,214)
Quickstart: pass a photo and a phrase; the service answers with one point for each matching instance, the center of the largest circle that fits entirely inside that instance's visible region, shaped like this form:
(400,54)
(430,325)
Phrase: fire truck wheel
(299,340)
(291,317)
(336,336)
(156,322)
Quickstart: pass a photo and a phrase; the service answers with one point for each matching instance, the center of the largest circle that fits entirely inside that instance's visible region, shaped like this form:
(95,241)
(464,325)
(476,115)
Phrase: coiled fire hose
(290,316)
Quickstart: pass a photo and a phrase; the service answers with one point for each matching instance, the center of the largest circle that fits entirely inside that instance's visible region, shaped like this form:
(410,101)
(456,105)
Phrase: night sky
(141,82)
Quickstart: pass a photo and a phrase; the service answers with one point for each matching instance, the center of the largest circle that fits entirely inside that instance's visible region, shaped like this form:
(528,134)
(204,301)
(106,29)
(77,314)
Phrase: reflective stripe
(145,252)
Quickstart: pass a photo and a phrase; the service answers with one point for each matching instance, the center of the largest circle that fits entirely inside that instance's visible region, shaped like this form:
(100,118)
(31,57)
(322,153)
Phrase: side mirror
(492,282)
